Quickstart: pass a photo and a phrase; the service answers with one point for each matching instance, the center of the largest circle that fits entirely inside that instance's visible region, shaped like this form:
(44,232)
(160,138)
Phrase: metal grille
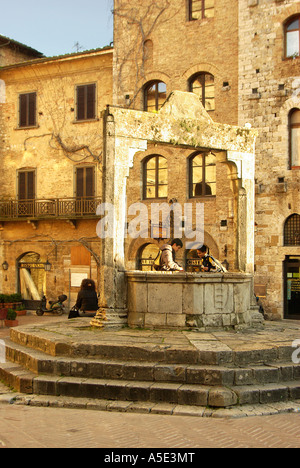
(292,230)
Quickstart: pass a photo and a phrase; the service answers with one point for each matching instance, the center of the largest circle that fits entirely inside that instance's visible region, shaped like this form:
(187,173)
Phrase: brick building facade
(51,164)
(244,65)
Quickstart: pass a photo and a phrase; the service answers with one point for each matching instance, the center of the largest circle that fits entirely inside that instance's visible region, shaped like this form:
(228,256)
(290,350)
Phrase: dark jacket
(87,300)
(212,264)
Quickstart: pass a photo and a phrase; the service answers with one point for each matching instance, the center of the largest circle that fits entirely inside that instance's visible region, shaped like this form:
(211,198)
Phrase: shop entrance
(292,287)
(32,276)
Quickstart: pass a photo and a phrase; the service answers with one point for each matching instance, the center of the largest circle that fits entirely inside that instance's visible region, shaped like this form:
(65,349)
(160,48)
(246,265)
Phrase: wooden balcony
(50,208)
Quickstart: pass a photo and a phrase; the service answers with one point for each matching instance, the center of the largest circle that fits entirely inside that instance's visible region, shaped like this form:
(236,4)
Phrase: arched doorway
(146,256)
(31,276)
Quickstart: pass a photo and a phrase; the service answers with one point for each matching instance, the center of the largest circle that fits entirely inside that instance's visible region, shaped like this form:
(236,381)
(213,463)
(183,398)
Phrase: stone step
(38,362)
(145,391)
(201,353)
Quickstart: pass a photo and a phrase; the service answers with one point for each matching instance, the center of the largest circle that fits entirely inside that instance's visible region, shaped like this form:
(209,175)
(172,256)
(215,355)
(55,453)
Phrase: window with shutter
(85,182)
(27,110)
(80,256)
(86,102)
(26,185)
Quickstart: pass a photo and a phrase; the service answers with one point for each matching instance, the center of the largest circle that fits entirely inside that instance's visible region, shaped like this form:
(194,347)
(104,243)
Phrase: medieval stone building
(244,66)
(51,164)
(184,84)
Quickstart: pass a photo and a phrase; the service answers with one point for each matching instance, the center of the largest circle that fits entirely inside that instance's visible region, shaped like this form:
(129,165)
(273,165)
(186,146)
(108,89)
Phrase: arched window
(155,95)
(292,230)
(155,175)
(200,9)
(294,129)
(203,84)
(292,37)
(202,175)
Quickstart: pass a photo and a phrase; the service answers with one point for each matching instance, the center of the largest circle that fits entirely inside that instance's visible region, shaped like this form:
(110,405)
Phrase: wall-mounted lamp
(5,265)
(47,266)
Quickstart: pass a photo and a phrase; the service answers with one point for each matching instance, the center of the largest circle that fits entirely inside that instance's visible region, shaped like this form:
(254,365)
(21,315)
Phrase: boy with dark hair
(208,262)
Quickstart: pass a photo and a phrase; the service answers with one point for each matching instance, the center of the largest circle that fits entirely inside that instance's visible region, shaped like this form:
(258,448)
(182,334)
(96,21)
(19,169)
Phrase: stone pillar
(245,163)
(113,293)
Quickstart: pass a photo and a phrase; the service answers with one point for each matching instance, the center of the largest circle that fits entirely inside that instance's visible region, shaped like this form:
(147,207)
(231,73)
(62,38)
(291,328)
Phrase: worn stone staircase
(138,377)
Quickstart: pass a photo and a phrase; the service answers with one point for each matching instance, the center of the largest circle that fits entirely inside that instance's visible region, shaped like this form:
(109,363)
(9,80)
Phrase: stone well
(191,300)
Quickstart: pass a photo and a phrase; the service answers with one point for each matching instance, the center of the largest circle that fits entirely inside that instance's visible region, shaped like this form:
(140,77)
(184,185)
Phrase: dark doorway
(292,287)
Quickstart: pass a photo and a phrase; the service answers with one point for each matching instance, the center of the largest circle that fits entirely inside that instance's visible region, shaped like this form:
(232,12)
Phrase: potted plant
(11,318)
(20,309)
(7,301)
(16,300)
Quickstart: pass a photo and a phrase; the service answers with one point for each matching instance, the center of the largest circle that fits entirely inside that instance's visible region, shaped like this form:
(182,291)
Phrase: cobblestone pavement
(31,427)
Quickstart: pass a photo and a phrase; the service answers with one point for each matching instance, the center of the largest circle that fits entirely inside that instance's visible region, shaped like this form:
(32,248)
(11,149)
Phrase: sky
(54,27)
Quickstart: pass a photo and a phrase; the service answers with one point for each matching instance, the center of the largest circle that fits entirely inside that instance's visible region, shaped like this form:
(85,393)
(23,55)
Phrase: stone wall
(129,134)
(269,87)
(54,148)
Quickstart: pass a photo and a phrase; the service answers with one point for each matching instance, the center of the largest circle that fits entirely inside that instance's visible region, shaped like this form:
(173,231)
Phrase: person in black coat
(87,299)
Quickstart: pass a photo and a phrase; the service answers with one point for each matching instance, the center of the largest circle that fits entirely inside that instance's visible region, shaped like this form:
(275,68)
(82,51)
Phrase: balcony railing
(50,208)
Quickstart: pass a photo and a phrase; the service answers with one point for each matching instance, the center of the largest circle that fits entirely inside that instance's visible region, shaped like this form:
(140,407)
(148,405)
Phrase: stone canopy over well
(182,122)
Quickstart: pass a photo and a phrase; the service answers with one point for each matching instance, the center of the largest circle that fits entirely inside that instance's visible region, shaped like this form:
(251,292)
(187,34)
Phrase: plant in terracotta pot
(7,301)
(16,300)
(20,310)
(11,318)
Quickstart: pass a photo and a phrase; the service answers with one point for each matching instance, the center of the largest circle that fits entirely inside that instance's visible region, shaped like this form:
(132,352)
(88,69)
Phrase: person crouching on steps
(87,300)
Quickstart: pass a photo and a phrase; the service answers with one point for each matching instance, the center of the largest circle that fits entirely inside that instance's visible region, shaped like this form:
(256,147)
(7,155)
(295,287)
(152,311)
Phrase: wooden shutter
(27,105)
(23,110)
(86,102)
(80,256)
(80,103)
(91,101)
(79,182)
(26,185)
(85,182)
(89,182)
(31,109)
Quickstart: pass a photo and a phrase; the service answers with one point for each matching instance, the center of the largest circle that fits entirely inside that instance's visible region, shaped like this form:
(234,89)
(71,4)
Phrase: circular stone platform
(77,338)
(217,373)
